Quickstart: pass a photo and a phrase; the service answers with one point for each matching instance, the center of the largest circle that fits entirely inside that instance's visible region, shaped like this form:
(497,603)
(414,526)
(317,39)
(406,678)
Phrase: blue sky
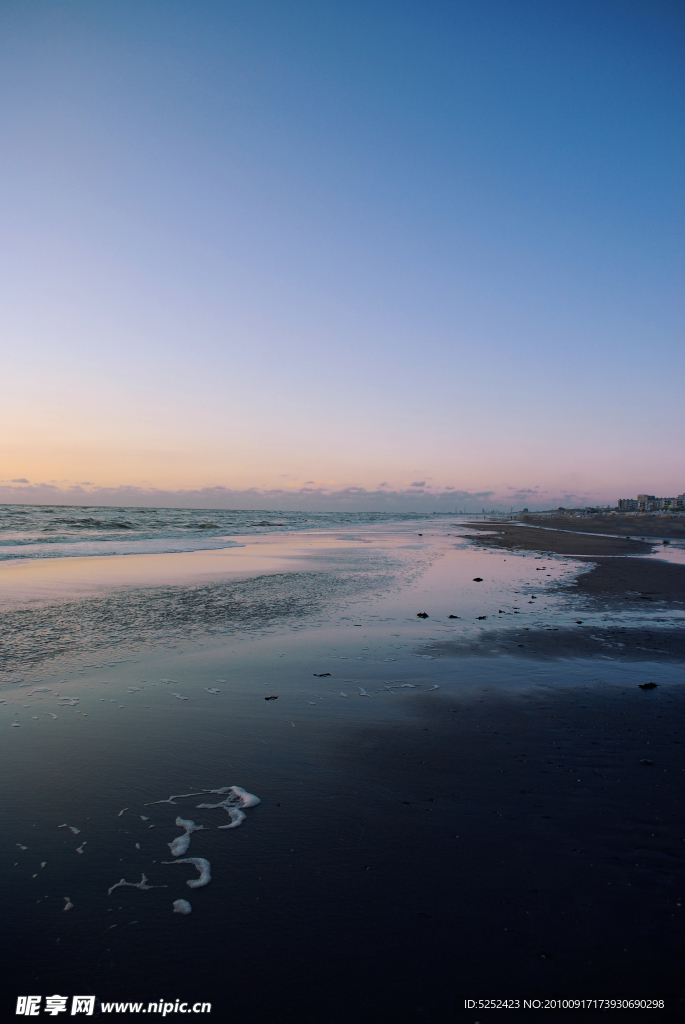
(318,246)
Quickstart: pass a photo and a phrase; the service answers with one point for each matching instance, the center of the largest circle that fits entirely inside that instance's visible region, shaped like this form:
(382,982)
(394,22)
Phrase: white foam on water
(237,817)
(73,829)
(142,884)
(202,866)
(179,796)
(182,907)
(237,798)
(210,689)
(50,714)
(15,725)
(343,694)
(180,845)
(180,696)
(68,904)
(122,811)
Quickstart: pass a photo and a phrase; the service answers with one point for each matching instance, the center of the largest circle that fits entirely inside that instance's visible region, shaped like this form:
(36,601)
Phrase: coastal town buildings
(650,503)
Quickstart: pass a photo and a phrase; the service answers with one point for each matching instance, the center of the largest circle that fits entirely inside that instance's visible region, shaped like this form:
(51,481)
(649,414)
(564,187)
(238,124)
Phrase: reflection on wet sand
(414,770)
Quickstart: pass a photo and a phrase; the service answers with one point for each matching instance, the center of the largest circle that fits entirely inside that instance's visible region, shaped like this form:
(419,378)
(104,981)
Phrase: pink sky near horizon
(295,250)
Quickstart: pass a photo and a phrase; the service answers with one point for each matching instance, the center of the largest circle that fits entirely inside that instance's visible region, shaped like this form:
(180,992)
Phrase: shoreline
(623,579)
(552,541)
(672,527)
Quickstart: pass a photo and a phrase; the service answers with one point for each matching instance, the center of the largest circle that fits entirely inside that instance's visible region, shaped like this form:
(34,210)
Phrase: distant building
(650,503)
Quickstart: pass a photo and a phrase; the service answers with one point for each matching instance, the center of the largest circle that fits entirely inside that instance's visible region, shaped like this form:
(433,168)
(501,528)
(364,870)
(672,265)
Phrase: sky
(372,254)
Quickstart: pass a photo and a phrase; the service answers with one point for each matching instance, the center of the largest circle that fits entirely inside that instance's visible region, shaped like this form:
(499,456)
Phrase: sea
(64,531)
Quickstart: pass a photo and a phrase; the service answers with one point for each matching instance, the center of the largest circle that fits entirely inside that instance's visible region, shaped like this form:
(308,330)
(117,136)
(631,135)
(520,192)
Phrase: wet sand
(584,640)
(633,578)
(551,541)
(500,846)
(451,808)
(621,526)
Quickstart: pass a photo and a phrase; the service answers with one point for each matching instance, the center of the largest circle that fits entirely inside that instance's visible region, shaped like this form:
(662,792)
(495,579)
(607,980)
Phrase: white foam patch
(180,845)
(142,884)
(202,866)
(178,796)
(182,907)
(237,817)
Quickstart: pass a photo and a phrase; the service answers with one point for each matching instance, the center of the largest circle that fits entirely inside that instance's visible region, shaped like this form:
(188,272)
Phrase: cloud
(21,480)
(314,499)
(418,483)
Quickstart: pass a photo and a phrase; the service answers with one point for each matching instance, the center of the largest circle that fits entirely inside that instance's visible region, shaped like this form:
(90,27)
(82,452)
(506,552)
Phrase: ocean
(64,531)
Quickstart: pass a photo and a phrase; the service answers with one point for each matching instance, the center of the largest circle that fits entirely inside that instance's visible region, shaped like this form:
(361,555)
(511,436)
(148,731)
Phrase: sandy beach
(554,541)
(634,525)
(481,795)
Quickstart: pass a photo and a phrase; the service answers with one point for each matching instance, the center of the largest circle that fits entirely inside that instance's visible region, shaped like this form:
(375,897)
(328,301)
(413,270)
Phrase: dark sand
(550,541)
(632,578)
(624,526)
(620,643)
(514,847)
